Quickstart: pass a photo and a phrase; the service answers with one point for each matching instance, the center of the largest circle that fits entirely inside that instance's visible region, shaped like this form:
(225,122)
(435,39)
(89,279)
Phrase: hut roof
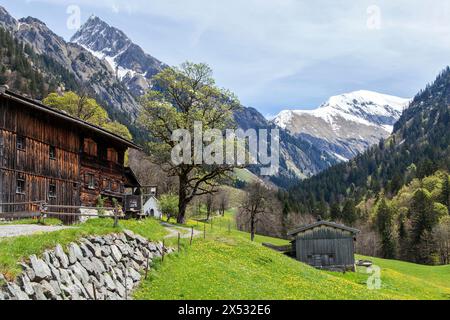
(65,117)
(322,223)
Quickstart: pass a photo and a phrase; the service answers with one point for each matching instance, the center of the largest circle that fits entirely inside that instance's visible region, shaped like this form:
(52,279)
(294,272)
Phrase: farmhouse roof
(4,92)
(322,223)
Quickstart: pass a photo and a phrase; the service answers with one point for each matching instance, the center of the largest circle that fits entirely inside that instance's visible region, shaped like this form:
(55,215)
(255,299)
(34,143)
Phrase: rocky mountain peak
(6,20)
(346,124)
(98,36)
(132,66)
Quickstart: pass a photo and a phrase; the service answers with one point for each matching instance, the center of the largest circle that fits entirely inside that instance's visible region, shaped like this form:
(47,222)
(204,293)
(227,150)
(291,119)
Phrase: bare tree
(441,234)
(210,204)
(223,198)
(254,205)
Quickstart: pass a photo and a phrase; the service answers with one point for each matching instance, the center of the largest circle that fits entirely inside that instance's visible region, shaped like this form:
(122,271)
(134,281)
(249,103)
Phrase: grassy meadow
(227,265)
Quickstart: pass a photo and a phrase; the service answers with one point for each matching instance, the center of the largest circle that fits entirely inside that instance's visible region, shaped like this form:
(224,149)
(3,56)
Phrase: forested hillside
(29,73)
(418,148)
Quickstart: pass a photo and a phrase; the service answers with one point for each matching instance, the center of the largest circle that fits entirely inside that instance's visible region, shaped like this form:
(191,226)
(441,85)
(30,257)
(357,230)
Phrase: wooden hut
(47,155)
(325,245)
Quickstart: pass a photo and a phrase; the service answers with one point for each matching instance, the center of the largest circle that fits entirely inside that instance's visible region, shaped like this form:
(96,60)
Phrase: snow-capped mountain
(131,64)
(346,124)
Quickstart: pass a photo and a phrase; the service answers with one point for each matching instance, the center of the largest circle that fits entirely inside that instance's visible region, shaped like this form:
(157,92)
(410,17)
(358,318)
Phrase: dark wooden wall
(33,164)
(325,246)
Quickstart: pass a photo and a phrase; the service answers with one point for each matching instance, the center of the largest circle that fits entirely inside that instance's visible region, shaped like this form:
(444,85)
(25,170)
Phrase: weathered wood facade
(325,245)
(46,155)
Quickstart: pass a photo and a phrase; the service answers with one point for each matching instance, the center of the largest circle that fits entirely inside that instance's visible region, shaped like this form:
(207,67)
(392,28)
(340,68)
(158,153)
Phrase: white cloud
(270,50)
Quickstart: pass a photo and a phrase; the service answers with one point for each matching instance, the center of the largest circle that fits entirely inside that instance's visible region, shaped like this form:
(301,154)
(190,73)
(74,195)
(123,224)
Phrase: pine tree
(384,224)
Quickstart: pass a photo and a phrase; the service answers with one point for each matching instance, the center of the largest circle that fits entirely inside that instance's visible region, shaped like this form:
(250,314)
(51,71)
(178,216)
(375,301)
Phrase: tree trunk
(182,200)
(252,228)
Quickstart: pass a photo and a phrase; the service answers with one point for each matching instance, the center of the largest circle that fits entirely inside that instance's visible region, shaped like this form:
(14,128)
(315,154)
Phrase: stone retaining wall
(98,267)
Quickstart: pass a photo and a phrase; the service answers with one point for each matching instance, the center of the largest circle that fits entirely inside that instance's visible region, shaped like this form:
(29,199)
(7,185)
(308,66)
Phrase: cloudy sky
(279,54)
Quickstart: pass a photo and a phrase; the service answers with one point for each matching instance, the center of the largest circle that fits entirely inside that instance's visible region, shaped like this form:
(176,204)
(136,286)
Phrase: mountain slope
(418,147)
(346,124)
(130,63)
(299,159)
(90,71)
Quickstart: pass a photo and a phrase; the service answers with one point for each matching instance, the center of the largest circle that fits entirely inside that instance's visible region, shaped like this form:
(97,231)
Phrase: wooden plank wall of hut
(325,241)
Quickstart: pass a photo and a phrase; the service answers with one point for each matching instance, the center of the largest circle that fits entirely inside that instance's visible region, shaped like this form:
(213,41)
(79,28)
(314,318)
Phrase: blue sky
(280,54)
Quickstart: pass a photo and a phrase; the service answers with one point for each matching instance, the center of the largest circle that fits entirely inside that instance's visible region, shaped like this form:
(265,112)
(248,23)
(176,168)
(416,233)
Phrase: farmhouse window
(112,155)
(90,147)
(20,143)
(52,190)
(20,186)
(52,152)
(91,181)
(107,185)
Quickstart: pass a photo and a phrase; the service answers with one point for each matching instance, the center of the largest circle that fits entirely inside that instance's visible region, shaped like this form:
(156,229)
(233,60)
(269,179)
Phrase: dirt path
(174,230)
(16,230)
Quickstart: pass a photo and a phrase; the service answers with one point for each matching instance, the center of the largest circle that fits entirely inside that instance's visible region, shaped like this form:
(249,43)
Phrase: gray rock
(138,256)
(65,277)
(56,274)
(133,274)
(98,266)
(110,285)
(86,251)
(124,248)
(109,261)
(113,296)
(40,268)
(120,289)
(106,251)
(80,273)
(16,292)
(88,265)
(130,235)
(56,287)
(141,240)
(26,285)
(60,254)
(28,271)
(115,252)
(38,291)
(54,259)
(74,253)
(94,248)
(152,247)
(122,237)
(48,290)
(119,275)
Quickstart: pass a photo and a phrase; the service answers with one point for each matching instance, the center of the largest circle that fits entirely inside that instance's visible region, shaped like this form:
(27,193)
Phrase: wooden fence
(68,214)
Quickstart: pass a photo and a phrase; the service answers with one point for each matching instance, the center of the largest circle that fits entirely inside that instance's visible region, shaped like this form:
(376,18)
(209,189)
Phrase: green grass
(13,250)
(226,265)
(223,267)
(46,222)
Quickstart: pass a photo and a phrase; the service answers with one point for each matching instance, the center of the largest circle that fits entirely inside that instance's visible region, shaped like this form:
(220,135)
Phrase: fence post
(146,266)
(192,235)
(162,253)
(42,209)
(204,230)
(179,236)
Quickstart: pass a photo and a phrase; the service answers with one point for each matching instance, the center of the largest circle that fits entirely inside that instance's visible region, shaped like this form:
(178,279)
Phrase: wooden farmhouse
(325,245)
(47,155)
